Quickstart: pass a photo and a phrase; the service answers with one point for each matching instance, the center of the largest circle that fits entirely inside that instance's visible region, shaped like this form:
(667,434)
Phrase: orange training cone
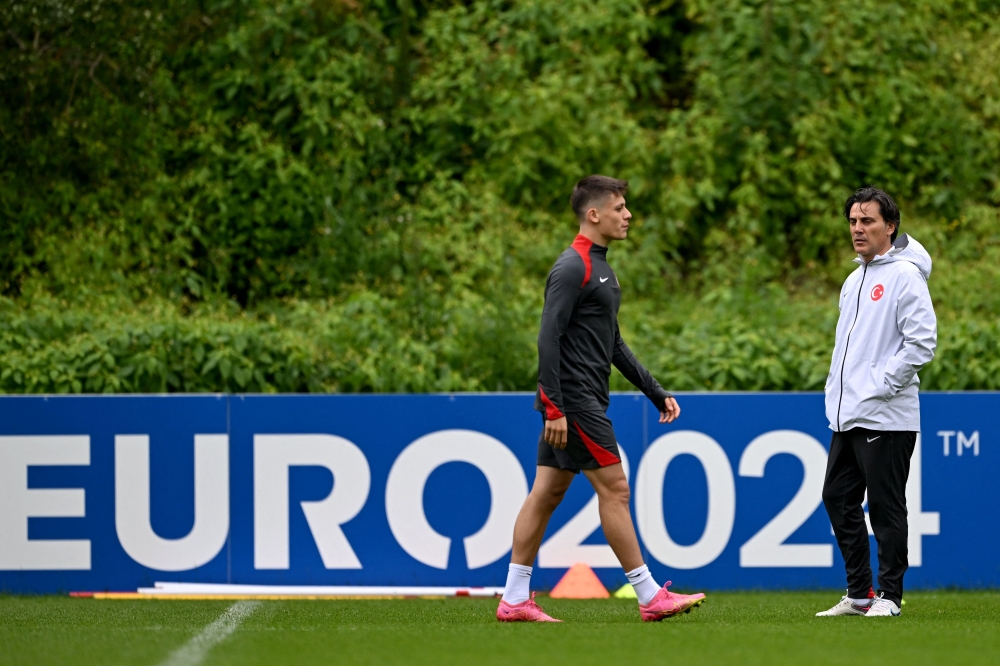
(580,582)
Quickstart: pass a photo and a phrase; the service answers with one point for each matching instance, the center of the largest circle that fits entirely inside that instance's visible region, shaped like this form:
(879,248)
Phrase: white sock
(643,584)
(518,589)
(860,602)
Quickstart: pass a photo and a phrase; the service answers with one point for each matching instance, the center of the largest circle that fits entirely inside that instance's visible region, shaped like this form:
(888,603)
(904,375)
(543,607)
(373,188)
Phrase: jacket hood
(906,248)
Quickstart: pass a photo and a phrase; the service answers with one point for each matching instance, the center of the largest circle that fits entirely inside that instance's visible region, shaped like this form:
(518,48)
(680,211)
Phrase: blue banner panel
(97,492)
(116,492)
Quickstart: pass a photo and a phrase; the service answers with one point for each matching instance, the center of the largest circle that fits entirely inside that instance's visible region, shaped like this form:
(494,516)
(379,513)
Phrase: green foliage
(333,195)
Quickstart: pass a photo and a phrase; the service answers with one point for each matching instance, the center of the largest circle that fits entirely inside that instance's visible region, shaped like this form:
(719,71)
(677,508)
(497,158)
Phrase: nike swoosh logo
(603,280)
(873,438)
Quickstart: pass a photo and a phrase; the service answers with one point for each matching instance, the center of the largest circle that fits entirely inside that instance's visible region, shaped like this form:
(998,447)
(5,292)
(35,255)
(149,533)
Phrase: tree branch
(17,39)
(72,88)
(93,78)
(52,41)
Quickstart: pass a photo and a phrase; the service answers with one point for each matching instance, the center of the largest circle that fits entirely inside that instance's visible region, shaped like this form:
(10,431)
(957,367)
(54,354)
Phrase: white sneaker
(882,607)
(846,607)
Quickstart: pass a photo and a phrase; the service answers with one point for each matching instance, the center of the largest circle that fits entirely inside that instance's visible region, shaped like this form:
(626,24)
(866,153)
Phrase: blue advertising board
(118,492)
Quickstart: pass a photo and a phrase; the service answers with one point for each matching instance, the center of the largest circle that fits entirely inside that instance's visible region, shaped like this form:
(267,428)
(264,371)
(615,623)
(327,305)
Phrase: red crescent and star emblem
(877,292)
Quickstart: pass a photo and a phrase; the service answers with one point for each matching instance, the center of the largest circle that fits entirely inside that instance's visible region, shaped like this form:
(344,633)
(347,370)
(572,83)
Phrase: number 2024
(765,549)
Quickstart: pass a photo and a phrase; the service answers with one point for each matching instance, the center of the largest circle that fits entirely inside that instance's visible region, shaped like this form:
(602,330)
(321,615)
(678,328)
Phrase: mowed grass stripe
(744,627)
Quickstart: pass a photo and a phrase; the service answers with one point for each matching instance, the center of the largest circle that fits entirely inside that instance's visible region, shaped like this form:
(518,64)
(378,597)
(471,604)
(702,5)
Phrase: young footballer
(577,344)
(887,331)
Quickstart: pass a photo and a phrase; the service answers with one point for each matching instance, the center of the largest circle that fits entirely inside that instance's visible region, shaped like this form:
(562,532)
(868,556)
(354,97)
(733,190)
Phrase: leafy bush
(327,195)
(363,345)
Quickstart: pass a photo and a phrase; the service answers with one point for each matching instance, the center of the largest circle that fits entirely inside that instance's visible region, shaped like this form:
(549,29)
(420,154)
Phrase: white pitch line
(195,650)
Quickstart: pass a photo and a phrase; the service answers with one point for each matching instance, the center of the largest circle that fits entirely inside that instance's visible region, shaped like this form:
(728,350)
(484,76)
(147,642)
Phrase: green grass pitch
(743,628)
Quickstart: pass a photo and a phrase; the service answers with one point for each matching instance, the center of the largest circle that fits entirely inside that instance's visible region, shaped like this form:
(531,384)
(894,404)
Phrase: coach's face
(870,233)
(613,217)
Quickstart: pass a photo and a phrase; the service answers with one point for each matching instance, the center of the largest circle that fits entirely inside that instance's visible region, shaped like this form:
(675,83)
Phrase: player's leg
(551,483)
(594,446)
(886,461)
(613,495)
(548,490)
(843,495)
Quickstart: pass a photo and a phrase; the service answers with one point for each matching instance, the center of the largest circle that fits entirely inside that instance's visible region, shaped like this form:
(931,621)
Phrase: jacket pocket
(877,371)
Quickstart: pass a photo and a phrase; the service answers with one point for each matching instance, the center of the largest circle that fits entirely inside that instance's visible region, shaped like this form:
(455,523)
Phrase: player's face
(613,218)
(869,232)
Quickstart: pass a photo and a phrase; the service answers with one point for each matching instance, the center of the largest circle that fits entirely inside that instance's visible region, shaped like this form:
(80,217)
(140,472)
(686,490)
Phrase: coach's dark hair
(590,189)
(886,206)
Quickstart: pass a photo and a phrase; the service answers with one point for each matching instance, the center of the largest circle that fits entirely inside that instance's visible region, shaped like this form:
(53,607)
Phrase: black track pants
(878,461)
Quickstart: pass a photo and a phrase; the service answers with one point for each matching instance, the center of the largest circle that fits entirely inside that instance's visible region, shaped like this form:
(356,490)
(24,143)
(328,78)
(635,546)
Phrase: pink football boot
(666,604)
(526,611)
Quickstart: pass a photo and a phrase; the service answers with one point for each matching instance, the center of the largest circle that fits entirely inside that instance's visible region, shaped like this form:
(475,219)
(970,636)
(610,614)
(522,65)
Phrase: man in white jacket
(887,331)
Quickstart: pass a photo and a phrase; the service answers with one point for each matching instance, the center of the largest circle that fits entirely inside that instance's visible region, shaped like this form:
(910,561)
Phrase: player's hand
(555,433)
(671,410)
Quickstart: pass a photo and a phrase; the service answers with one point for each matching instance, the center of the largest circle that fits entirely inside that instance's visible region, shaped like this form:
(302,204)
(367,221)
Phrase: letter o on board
(404,496)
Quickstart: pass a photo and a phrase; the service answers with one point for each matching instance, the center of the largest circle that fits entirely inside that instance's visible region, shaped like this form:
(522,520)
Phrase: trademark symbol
(961,442)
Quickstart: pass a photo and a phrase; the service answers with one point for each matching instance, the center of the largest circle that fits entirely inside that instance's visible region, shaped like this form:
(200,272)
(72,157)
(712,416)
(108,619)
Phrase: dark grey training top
(579,338)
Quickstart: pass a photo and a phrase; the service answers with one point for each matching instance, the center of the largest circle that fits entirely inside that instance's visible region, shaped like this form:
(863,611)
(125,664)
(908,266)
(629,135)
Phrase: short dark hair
(591,188)
(886,206)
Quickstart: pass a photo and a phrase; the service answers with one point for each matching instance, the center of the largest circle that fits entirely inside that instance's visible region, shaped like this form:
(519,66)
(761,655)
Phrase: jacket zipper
(847,345)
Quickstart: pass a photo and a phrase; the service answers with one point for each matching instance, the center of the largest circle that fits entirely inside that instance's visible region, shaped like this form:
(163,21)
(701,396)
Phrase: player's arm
(635,372)
(561,293)
(916,321)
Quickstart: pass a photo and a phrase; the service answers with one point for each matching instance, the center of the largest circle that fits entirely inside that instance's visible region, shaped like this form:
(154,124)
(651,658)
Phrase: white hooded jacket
(887,331)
